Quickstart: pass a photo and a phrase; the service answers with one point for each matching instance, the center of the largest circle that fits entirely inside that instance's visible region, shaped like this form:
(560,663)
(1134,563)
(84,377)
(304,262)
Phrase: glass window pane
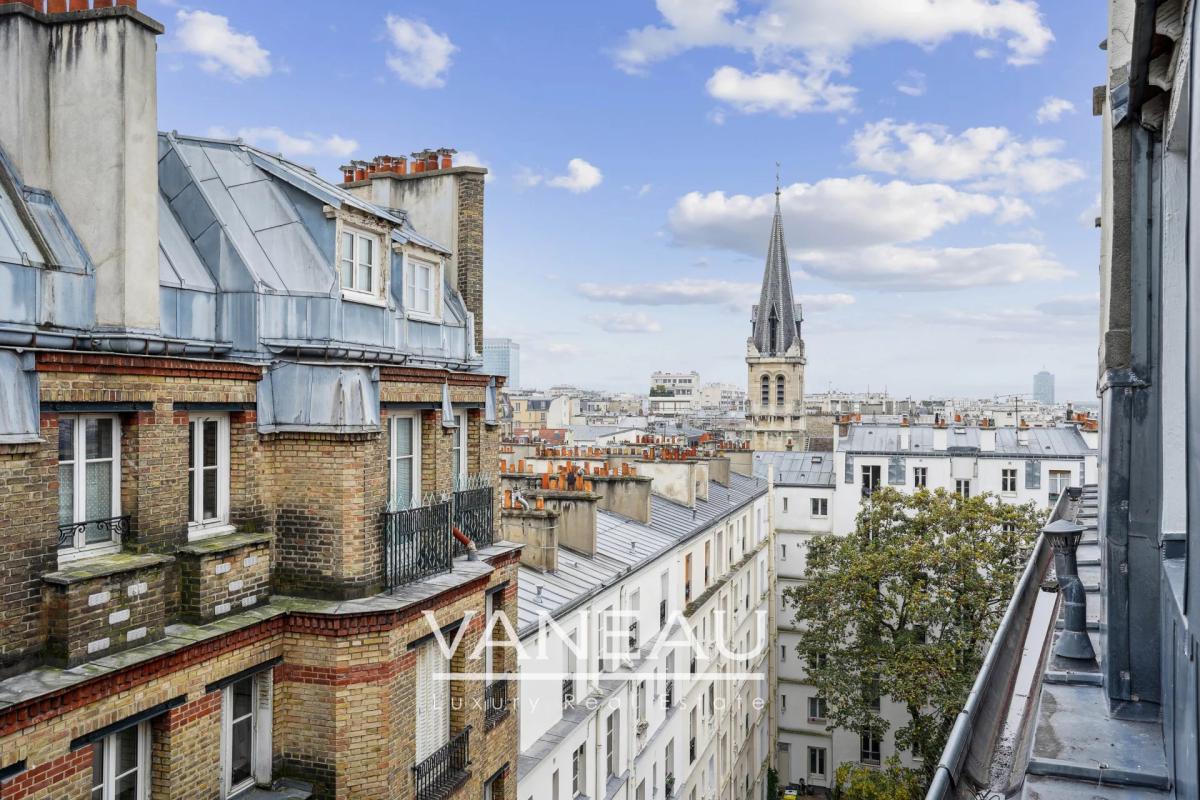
(127,749)
(99,438)
(347,274)
(66,494)
(66,439)
(366,250)
(211,443)
(403,442)
(210,493)
(243,695)
(239,751)
(192,495)
(98,490)
(347,246)
(364,278)
(402,492)
(127,787)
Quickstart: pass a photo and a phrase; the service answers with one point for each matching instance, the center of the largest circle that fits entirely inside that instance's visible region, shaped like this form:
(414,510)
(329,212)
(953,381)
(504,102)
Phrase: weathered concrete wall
(674,480)
(576,519)
(627,495)
(538,531)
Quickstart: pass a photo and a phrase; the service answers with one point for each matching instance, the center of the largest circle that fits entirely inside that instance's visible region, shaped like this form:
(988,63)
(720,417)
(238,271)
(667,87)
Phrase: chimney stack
(84,124)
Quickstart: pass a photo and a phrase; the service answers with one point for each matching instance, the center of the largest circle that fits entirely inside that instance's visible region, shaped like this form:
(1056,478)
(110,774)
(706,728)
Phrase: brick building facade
(244,485)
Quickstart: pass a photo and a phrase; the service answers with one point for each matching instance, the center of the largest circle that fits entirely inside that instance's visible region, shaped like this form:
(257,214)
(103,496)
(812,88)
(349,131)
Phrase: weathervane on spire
(777,179)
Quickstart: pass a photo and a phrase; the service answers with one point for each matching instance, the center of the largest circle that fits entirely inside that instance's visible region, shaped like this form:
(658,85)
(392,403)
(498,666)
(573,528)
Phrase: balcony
(445,769)
(495,708)
(662,612)
(568,691)
(669,694)
(416,543)
(692,750)
(633,637)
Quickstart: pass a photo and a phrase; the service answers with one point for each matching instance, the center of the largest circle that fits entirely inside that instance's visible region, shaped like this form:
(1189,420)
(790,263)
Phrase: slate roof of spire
(776,319)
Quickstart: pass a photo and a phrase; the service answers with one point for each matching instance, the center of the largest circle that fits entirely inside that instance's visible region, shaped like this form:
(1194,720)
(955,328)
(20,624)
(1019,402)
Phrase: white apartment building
(673,393)
(820,493)
(645,720)
(722,397)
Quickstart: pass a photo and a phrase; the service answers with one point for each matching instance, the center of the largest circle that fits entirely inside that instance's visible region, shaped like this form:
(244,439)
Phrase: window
(780,390)
(554,786)
(120,765)
(783,552)
(359,261)
(611,743)
(246,733)
(868,747)
(208,474)
(816,709)
(783,652)
(785,505)
(458,450)
(89,478)
(920,476)
(423,281)
(783,702)
(1060,479)
(404,461)
(816,762)
(579,770)
(568,683)
(664,581)
(640,794)
(819,506)
(1008,481)
(766,390)
(962,487)
(871,477)
(669,765)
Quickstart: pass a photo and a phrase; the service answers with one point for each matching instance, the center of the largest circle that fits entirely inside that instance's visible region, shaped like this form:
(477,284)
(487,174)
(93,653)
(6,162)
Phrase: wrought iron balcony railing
(495,698)
(416,543)
(568,691)
(474,509)
(93,531)
(444,770)
(670,694)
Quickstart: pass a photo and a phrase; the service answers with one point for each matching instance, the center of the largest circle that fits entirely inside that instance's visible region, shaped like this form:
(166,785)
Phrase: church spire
(776,320)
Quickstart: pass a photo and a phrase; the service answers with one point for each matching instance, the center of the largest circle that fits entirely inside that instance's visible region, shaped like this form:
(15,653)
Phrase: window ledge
(363,298)
(103,566)
(72,555)
(197,532)
(283,789)
(418,316)
(223,543)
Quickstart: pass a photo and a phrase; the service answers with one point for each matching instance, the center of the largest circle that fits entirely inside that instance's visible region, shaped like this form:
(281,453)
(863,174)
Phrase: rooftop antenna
(777,187)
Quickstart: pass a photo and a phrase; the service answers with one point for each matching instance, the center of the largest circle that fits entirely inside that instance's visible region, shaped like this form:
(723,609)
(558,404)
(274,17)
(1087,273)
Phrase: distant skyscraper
(1043,387)
(503,357)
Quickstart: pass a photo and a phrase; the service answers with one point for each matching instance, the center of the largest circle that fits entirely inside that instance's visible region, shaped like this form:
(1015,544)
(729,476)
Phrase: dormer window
(422,288)
(358,261)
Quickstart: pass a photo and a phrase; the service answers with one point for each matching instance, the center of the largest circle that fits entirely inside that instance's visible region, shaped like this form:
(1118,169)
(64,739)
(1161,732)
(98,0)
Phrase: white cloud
(626,322)
(580,177)
(221,49)
(859,231)
(420,55)
(1053,108)
(784,92)
(936,268)
(833,213)
(469,158)
(695,292)
(1086,304)
(985,157)
(912,83)
(276,140)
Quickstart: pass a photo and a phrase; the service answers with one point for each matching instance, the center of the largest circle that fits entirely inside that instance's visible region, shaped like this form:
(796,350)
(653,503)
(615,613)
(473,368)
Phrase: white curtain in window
(433,700)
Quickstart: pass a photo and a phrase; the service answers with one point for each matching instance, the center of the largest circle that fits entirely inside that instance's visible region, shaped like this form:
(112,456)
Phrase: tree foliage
(893,782)
(906,605)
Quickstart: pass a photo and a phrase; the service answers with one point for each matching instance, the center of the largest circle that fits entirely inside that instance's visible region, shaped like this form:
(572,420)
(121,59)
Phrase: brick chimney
(443,201)
(80,103)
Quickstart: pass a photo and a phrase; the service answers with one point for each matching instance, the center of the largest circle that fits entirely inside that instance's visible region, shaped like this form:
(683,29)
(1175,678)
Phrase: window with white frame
(869,747)
(89,482)
(816,762)
(423,280)
(246,733)
(819,506)
(579,770)
(611,742)
(816,709)
(1060,479)
(404,461)
(121,765)
(358,260)
(208,473)
(962,487)
(920,477)
(458,449)
(1008,481)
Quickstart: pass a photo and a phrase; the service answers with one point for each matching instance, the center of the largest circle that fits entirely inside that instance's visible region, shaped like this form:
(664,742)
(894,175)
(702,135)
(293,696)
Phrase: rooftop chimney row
(422,161)
(63,6)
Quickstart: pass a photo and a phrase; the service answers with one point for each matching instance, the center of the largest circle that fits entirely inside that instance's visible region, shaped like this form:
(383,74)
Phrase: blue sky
(939,165)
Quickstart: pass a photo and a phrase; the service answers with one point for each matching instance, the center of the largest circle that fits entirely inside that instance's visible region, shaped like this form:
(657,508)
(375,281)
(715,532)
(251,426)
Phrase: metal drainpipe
(1074,641)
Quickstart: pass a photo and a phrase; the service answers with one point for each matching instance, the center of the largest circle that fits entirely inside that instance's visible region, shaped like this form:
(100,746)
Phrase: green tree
(906,605)
(893,782)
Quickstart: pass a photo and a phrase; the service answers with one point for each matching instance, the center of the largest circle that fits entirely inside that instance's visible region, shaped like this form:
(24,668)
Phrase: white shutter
(433,701)
(263,686)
